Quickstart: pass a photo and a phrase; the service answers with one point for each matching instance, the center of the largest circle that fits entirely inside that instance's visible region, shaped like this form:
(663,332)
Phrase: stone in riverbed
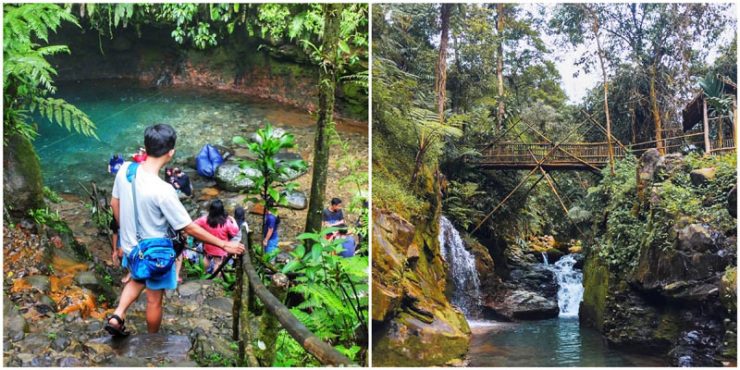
(526,305)
(296,199)
(153,347)
(87,279)
(14,325)
(231,177)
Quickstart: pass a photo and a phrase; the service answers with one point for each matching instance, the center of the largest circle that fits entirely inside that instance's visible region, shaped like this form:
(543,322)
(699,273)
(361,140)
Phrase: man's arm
(115,204)
(267,236)
(201,234)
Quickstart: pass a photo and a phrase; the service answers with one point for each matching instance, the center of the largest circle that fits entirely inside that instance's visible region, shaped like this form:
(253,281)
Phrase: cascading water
(466,292)
(570,285)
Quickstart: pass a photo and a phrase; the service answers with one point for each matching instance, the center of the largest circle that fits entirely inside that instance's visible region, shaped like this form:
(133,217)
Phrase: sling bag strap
(131,175)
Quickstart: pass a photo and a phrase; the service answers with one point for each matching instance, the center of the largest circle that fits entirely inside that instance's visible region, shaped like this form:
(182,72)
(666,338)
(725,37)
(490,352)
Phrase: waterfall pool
(122,109)
(546,343)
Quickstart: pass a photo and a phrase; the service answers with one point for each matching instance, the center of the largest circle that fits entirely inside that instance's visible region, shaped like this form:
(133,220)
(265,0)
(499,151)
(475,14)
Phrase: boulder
(648,164)
(526,305)
(38,282)
(231,177)
(290,174)
(14,325)
(296,199)
(152,347)
(87,279)
(668,165)
(696,238)
(22,182)
(703,176)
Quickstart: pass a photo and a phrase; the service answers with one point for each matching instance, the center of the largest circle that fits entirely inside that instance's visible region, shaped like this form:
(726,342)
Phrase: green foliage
(629,222)
(194,269)
(334,290)
(270,171)
(51,195)
(28,77)
(44,216)
(101,217)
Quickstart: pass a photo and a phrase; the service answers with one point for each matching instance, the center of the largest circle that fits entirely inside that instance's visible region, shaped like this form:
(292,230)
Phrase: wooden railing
(584,156)
(528,155)
(277,314)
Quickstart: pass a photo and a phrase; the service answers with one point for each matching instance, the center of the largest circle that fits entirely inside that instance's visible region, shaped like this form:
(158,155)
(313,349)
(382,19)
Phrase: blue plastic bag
(208,160)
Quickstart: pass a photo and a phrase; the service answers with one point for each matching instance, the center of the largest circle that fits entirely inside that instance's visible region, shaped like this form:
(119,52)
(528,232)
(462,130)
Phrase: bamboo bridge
(567,156)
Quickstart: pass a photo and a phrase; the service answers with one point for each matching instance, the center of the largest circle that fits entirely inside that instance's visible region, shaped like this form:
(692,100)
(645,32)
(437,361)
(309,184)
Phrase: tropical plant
(334,289)
(270,171)
(28,78)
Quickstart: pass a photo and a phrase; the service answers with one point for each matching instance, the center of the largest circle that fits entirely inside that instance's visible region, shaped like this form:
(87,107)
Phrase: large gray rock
(696,238)
(296,199)
(22,182)
(732,202)
(149,347)
(231,177)
(14,325)
(648,164)
(38,282)
(87,279)
(527,305)
(290,174)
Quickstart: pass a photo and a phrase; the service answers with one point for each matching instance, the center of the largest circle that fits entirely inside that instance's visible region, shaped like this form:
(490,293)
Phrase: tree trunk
(325,123)
(606,94)
(656,112)
(500,63)
(705,119)
(440,85)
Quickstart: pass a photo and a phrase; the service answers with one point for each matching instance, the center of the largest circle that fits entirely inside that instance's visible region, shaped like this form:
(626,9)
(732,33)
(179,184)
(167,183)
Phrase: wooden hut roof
(692,114)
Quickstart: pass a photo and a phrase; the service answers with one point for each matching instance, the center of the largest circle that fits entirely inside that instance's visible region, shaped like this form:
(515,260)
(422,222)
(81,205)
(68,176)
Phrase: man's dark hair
(335,201)
(159,139)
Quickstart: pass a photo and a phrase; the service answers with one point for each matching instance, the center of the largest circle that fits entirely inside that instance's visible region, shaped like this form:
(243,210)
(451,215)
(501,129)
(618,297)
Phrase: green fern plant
(28,78)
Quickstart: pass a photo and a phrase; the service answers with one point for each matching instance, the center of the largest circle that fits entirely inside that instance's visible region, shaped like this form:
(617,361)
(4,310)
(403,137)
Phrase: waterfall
(544,259)
(570,285)
(462,272)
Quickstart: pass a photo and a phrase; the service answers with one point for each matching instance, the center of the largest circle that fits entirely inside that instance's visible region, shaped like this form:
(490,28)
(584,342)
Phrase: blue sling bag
(152,257)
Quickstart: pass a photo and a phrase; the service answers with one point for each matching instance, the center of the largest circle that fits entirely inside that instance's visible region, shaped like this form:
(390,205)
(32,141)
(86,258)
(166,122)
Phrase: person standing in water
(146,207)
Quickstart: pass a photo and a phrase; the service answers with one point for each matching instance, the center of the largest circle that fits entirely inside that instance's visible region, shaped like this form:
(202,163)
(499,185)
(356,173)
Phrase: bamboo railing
(513,155)
(244,306)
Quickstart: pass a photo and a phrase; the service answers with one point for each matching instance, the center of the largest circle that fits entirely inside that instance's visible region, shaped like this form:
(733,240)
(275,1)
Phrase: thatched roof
(692,114)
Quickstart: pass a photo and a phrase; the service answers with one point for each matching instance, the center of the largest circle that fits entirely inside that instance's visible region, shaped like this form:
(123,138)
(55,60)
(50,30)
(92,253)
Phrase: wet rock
(14,325)
(703,176)
(189,289)
(69,362)
(282,159)
(668,165)
(231,177)
(222,304)
(38,282)
(60,343)
(526,305)
(153,347)
(296,199)
(22,181)
(87,279)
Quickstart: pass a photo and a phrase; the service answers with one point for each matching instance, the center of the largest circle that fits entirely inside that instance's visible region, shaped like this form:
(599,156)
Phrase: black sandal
(116,332)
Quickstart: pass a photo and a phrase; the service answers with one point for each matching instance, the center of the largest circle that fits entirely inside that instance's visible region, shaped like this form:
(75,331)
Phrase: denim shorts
(272,244)
(167,281)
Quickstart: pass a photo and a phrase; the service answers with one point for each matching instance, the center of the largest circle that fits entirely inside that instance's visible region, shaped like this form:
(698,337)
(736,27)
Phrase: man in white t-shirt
(159,211)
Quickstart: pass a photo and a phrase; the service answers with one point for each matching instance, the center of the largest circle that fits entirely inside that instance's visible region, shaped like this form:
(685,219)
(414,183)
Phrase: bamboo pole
(707,145)
(527,176)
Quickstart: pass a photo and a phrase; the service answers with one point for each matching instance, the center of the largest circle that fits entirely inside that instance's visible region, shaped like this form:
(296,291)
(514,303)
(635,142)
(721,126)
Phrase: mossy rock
(22,180)
(595,292)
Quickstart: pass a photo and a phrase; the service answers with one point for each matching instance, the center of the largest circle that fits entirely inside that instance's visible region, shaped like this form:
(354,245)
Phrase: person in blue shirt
(333,215)
(115,164)
(270,231)
(348,243)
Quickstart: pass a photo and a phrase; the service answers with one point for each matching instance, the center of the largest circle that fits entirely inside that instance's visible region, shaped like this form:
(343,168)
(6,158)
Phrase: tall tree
(440,85)
(500,63)
(325,122)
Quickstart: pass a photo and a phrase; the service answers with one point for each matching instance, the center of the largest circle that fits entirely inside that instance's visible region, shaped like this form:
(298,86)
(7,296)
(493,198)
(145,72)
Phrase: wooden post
(734,121)
(707,145)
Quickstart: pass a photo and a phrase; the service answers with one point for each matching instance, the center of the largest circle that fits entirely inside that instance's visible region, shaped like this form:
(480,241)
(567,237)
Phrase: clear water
(462,271)
(557,342)
(123,109)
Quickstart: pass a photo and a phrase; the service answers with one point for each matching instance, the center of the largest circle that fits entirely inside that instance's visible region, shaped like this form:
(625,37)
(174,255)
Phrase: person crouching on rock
(220,225)
(147,210)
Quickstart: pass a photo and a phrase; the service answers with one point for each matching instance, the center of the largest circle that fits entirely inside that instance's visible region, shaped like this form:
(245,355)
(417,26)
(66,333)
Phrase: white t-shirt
(159,207)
